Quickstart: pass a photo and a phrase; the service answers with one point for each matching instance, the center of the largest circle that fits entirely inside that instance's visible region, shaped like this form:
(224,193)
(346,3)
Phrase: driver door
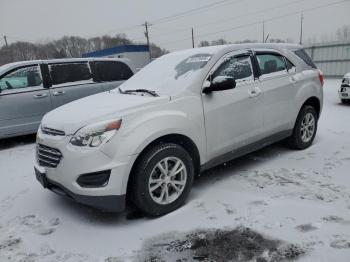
(234,117)
(23,101)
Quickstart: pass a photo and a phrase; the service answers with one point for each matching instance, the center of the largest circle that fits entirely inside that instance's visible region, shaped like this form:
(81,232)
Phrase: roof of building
(117,50)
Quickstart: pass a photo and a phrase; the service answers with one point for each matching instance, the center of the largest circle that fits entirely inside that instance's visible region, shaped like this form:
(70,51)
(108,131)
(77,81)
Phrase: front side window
(237,67)
(69,73)
(112,71)
(22,79)
(270,63)
(289,64)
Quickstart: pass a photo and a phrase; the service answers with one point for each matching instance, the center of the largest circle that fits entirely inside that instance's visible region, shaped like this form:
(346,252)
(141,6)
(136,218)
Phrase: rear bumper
(113,203)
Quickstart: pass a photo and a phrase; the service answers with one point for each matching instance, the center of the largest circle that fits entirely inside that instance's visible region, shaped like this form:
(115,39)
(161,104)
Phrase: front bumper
(344,92)
(106,203)
(79,161)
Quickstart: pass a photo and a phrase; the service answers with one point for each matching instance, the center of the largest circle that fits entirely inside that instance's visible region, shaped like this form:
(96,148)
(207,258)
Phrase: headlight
(96,134)
(346,81)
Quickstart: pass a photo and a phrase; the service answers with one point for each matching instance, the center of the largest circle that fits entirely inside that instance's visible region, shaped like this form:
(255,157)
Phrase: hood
(108,105)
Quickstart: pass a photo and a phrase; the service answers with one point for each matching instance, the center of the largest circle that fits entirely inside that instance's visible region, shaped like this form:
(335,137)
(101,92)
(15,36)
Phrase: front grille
(48,156)
(52,132)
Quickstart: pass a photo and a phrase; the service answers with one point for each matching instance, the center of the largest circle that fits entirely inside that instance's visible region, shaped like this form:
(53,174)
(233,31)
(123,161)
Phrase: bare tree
(204,43)
(67,46)
(343,33)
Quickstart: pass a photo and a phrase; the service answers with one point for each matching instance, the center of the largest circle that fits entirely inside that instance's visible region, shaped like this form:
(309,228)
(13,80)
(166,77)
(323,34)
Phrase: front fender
(142,128)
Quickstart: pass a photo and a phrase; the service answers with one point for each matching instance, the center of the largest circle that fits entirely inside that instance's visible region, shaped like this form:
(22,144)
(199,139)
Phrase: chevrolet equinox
(183,113)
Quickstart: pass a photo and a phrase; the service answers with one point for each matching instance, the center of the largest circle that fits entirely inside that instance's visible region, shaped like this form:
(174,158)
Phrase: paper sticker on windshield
(198,59)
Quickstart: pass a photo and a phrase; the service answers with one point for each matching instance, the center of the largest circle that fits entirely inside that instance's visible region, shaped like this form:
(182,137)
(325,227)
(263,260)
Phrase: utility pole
(192,38)
(301,28)
(146,25)
(263,36)
(5,38)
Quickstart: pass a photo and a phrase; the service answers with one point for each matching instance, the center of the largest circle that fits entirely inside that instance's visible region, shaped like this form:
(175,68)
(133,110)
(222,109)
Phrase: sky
(233,20)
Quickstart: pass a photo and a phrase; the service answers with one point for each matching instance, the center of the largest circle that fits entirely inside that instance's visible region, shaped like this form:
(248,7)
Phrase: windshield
(169,74)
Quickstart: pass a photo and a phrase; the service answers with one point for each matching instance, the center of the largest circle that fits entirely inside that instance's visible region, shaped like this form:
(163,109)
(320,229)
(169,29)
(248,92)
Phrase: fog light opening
(93,180)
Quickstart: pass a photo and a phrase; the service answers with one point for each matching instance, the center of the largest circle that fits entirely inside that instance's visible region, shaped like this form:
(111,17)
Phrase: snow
(171,73)
(300,197)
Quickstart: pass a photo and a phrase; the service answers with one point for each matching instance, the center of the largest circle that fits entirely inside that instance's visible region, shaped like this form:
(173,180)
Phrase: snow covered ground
(263,202)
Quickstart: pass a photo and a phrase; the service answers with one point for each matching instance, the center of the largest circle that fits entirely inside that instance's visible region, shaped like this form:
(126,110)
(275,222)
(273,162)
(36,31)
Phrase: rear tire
(162,179)
(305,128)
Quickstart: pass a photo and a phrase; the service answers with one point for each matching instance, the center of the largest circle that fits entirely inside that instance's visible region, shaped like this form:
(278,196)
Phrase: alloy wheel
(167,180)
(307,128)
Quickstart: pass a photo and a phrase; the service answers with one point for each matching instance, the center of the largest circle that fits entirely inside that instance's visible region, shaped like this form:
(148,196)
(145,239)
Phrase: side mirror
(219,83)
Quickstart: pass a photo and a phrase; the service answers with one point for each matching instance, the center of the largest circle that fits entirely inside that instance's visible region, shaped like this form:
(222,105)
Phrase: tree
(67,46)
(204,43)
(220,41)
(343,33)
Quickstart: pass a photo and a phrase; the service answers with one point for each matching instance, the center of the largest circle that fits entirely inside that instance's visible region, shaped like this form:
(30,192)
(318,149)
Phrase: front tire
(305,128)
(162,179)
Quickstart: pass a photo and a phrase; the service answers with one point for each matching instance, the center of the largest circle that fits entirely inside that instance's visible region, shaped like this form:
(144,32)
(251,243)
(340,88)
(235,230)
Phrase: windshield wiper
(151,92)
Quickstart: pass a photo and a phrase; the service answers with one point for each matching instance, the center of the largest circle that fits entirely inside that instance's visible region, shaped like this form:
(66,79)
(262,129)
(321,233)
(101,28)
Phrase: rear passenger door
(279,95)
(110,74)
(71,81)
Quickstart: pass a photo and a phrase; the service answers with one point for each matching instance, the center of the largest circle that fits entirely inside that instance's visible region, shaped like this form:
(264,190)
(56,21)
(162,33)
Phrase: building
(332,58)
(137,54)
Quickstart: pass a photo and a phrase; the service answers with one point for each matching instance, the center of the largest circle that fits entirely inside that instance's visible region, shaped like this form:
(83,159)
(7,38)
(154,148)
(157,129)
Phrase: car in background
(344,90)
(183,113)
(30,89)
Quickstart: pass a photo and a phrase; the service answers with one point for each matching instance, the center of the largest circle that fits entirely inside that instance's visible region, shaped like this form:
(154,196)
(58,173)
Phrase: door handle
(255,92)
(40,96)
(59,93)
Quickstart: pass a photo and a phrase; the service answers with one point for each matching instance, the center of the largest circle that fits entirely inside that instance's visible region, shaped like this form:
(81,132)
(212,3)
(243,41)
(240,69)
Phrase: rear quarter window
(111,71)
(305,57)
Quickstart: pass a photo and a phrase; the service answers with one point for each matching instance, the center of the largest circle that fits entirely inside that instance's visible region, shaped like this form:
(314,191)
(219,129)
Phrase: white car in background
(344,90)
(183,113)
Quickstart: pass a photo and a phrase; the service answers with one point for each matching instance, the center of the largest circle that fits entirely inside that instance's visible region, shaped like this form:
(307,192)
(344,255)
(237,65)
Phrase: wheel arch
(314,102)
(180,139)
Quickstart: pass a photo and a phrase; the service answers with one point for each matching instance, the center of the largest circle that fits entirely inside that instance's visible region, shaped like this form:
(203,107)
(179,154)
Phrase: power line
(174,16)
(230,19)
(258,22)
(194,10)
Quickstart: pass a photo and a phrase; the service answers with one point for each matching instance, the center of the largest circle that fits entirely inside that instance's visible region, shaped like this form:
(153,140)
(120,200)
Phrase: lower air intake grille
(48,156)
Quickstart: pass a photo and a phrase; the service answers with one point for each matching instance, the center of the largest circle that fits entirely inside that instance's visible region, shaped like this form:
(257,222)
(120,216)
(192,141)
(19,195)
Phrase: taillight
(321,77)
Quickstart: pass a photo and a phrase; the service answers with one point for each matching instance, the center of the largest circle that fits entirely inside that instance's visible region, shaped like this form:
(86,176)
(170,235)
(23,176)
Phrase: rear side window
(305,57)
(112,71)
(69,73)
(270,63)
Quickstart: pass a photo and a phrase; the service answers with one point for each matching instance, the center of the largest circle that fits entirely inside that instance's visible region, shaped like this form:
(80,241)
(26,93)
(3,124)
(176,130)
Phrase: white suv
(183,113)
